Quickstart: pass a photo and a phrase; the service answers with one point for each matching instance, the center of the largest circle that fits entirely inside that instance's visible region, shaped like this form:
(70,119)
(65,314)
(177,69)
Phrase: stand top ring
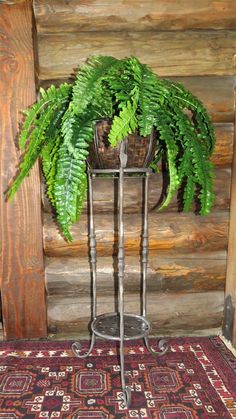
(128,171)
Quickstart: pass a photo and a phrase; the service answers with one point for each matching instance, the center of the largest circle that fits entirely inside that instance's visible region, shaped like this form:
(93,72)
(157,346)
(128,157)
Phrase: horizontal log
(72,276)
(223,153)
(12,2)
(75,335)
(188,53)
(63,16)
(105,193)
(217,93)
(166,311)
(182,233)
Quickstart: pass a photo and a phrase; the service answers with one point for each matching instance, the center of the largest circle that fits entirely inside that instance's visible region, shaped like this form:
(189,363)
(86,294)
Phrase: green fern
(70,181)
(87,79)
(42,121)
(66,188)
(126,122)
(201,118)
(151,99)
(50,155)
(33,151)
(189,192)
(171,150)
(60,126)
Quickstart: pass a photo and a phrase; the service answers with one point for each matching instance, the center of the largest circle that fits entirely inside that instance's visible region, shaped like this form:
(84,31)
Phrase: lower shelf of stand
(107,326)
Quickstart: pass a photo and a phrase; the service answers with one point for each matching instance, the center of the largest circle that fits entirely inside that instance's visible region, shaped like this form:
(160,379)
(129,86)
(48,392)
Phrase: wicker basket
(140,150)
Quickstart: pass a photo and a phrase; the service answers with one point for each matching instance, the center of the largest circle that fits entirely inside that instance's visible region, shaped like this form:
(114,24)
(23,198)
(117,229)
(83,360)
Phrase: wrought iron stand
(120,326)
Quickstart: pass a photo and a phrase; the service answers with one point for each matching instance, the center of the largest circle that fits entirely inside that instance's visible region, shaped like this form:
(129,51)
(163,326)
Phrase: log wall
(194,43)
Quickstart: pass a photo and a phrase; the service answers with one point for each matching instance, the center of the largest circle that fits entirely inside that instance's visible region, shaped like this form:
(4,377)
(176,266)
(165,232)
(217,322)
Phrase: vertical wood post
(22,268)
(229,327)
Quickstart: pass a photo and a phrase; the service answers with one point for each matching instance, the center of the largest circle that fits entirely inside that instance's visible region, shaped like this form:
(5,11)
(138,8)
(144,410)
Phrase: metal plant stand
(120,326)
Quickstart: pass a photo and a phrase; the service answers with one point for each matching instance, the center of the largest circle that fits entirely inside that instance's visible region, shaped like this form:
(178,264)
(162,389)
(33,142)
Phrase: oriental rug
(196,378)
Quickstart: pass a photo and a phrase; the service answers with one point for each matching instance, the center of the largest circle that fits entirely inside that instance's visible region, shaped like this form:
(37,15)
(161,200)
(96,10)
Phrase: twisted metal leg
(162,344)
(76,346)
(126,396)
(144,255)
(123,161)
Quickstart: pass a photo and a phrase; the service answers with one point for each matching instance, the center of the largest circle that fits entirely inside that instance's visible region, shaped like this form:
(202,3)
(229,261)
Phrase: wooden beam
(229,328)
(168,312)
(167,231)
(11,2)
(187,53)
(22,267)
(223,152)
(139,15)
(67,276)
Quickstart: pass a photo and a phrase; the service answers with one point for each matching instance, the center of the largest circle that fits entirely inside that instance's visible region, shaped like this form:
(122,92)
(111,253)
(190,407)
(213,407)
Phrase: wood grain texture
(12,2)
(180,232)
(187,53)
(223,153)
(76,334)
(188,273)
(106,189)
(166,311)
(22,267)
(139,15)
(231,261)
(216,92)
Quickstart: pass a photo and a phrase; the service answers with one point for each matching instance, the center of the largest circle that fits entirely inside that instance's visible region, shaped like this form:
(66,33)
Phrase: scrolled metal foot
(126,396)
(162,345)
(76,348)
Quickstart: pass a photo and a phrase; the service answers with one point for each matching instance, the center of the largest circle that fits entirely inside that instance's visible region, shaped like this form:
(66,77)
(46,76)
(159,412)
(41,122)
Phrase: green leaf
(69,189)
(171,150)
(47,118)
(126,122)
(48,98)
(87,79)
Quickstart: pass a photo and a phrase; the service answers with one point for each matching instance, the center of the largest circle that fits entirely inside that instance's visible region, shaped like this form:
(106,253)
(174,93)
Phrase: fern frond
(47,155)
(102,103)
(151,98)
(48,98)
(78,134)
(189,192)
(200,120)
(53,137)
(37,141)
(167,142)
(194,161)
(203,175)
(55,104)
(69,189)
(70,180)
(126,122)
(50,155)
(87,78)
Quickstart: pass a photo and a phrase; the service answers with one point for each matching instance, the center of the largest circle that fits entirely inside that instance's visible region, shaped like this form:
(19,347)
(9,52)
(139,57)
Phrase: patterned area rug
(195,379)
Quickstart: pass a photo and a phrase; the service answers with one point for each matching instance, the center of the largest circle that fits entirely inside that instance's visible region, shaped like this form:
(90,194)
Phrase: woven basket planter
(140,150)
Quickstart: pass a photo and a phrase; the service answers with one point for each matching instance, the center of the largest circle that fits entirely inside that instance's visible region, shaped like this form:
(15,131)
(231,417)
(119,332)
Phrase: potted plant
(60,128)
